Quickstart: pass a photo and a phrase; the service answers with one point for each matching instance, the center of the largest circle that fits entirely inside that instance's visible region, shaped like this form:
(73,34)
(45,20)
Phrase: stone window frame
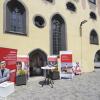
(55,34)
(71,6)
(94,39)
(37,24)
(92,1)
(93,16)
(5,21)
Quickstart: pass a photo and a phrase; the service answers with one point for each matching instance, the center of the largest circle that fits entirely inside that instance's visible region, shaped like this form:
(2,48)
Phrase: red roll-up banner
(10,56)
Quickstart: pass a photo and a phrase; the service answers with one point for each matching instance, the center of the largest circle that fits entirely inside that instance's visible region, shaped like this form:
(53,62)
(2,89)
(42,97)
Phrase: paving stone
(82,87)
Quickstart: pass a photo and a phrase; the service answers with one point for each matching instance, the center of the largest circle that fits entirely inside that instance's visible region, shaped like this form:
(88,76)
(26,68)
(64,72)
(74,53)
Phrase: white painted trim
(23,56)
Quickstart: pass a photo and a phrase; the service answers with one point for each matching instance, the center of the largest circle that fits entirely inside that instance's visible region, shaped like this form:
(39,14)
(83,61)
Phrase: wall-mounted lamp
(83,22)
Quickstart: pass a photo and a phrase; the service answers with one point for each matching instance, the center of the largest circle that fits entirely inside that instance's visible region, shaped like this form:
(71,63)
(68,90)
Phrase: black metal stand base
(48,81)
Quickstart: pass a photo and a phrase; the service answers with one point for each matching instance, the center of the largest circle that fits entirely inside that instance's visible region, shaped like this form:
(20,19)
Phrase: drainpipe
(81,24)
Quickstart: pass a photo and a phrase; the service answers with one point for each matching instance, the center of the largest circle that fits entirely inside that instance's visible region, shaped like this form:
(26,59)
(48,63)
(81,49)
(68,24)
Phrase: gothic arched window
(58,34)
(94,37)
(15,17)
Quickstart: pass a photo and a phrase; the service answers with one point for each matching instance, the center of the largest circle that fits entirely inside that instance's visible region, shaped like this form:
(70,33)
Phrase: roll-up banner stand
(66,65)
(10,56)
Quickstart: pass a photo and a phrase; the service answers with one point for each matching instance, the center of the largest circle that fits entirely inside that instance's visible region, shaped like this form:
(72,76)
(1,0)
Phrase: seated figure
(4,72)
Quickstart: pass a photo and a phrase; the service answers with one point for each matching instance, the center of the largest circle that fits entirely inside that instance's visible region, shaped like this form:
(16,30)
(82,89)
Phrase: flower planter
(21,80)
(55,75)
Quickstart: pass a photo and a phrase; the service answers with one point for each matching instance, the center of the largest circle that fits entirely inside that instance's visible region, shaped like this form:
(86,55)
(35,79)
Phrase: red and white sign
(52,60)
(66,58)
(66,64)
(10,56)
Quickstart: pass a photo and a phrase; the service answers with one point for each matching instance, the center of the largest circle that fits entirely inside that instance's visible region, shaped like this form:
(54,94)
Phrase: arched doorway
(97,59)
(58,36)
(37,59)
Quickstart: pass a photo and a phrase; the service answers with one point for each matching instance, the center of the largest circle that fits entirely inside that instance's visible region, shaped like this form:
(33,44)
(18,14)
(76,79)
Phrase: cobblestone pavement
(83,87)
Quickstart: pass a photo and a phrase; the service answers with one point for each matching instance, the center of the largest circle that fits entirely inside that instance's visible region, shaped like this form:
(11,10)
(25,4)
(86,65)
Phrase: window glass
(39,21)
(15,18)
(94,38)
(93,15)
(58,34)
(92,1)
(71,6)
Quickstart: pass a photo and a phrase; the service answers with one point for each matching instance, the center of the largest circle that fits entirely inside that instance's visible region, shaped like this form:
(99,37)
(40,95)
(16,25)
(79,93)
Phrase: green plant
(21,72)
(21,78)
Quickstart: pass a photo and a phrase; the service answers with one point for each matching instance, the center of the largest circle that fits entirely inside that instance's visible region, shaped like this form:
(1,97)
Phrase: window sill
(94,43)
(15,33)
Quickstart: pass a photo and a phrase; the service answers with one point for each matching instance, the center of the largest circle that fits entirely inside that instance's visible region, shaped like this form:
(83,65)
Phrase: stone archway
(97,59)
(37,59)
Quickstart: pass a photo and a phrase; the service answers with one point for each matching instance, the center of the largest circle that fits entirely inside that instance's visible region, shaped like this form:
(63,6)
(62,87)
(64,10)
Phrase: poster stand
(66,66)
(9,55)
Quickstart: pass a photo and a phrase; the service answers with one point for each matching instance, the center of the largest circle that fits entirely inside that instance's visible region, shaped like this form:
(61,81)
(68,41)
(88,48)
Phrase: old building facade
(39,28)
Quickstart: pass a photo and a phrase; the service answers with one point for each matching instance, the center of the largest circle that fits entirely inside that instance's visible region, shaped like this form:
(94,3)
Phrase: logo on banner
(66,58)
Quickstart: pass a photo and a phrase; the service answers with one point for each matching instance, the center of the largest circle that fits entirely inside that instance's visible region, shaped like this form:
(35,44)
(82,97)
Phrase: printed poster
(24,60)
(52,62)
(66,64)
(10,56)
